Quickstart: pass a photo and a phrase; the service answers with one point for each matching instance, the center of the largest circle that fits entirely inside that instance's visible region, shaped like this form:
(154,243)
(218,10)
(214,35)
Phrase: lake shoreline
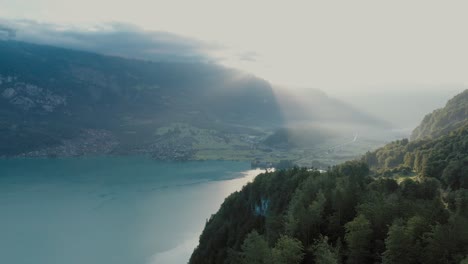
(42,157)
(127,207)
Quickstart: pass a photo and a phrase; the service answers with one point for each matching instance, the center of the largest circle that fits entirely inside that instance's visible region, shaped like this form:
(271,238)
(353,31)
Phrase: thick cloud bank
(112,39)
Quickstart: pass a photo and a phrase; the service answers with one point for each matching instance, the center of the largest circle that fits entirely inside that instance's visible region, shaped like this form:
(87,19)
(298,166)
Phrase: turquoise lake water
(109,210)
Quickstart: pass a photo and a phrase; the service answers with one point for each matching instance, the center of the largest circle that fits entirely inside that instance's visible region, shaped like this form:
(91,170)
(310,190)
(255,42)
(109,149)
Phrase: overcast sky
(332,45)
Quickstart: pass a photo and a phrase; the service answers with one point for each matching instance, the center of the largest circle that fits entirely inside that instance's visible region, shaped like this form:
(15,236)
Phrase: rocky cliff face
(27,96)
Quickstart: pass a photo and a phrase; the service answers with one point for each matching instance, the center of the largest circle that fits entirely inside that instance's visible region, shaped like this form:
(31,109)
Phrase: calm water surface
(109,210)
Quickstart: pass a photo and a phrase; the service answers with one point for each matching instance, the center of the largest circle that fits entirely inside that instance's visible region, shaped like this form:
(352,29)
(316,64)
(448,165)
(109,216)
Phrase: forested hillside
(404,203)
(62,102)
(50,94)
(442,121)
(445,158)
(341,216)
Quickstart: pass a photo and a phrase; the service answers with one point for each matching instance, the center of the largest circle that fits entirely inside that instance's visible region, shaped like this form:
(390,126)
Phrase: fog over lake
(109,209)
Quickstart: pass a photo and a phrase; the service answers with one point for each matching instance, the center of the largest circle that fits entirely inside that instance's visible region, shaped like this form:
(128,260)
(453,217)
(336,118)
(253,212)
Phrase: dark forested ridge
(404,203)
(56,101)
(442,121)
(48,94)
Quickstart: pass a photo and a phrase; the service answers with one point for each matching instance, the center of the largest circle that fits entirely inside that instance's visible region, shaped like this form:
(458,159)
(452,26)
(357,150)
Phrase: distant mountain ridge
(48,94)
(440,139)
(62,102)
(313,105)
(442,121)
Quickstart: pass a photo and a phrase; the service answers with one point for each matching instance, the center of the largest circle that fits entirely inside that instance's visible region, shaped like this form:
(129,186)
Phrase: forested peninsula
(406,202)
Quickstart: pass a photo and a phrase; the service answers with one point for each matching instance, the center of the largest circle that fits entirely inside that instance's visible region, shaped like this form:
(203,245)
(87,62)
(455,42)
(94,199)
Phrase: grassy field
(211,144)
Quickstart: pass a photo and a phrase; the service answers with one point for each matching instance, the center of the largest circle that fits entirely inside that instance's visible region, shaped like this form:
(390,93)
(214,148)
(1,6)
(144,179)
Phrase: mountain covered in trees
(49,94)
(404,203)
(444,120)
(56,101)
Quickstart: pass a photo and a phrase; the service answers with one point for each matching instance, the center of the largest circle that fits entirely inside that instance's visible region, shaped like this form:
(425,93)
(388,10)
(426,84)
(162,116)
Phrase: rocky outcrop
(27,96)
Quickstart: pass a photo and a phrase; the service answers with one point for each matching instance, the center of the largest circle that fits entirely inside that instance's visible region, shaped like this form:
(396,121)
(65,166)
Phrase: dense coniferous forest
(404,203)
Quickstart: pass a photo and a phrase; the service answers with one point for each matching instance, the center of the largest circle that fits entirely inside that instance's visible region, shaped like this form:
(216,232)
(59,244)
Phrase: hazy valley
(241,132)
(63,103)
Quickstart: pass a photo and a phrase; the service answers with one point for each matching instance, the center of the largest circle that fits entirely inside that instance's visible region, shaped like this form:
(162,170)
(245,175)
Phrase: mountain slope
(444,158)
(305,106)
(442,121)
(441,145)
(48,94)
(341,216)
(61,102)
(404,203)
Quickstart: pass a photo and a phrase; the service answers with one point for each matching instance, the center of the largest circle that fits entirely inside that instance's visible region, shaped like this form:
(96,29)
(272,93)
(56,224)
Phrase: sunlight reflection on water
(181,253)
(110,210)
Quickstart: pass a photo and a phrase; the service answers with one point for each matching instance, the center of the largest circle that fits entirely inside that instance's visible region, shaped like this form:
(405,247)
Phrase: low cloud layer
(6,32)
(112,39)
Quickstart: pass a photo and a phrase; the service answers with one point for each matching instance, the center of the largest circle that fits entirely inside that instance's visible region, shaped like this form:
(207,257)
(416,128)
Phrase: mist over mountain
(115,39)
(444,120)
(316,106)
(362,211)
(233,132)
(51,94)
(403,106)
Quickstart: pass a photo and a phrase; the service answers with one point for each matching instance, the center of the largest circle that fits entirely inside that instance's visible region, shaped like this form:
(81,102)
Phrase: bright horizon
(242,131)
(339,48)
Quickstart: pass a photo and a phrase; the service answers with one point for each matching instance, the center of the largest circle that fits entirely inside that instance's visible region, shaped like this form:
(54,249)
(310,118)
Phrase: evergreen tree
(287,250)
(324,253)
(255,249)
(398,245)
(358,238)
